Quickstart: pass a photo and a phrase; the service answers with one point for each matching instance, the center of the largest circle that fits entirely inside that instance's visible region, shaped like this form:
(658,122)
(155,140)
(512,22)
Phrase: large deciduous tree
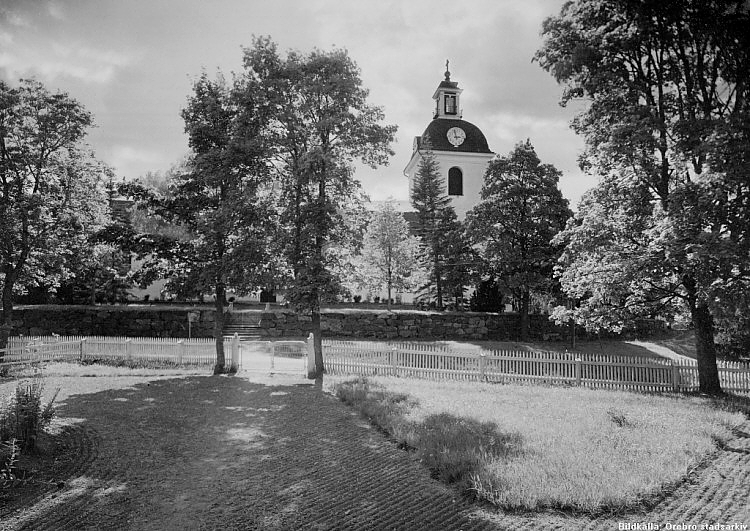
(51,189)
(222,200)
(520,211)
(320,122)
(666,127)
(390,255)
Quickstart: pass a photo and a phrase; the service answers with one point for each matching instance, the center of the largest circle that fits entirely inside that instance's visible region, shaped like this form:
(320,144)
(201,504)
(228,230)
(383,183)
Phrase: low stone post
(392,361)
(129,349)
(482,366)
(578,371)
(83,348)
(311,356)
(235,363)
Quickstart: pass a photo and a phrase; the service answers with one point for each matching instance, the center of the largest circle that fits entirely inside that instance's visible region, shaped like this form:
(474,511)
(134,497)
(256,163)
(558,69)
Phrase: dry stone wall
(156,321)
(406,325)
(112,321)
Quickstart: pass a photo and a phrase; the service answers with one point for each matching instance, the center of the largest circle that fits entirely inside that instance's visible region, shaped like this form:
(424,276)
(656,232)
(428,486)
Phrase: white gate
(270,357)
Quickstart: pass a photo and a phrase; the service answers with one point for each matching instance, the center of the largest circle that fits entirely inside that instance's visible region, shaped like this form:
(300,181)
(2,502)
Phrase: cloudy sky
(131,63)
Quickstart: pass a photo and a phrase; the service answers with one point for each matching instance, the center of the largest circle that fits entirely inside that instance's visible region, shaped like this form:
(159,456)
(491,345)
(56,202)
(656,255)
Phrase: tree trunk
(220,366)
(438,283)
(317,342)
(389,292)
(6,326)
(524,314)
(703,324)
(708,372)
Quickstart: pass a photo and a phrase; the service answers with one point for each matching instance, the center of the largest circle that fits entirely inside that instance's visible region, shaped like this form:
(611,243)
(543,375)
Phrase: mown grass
(532,448)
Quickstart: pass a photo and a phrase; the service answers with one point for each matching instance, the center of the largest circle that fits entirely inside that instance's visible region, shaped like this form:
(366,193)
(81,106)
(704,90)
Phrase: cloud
(54,61)
(123,156)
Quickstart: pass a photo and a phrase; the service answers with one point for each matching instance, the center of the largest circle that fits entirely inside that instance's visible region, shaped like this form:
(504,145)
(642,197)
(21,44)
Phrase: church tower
(459,147)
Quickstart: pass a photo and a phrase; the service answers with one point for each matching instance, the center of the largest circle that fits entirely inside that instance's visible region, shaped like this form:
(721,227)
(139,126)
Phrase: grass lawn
(603,347)
(531,447)
(682,343)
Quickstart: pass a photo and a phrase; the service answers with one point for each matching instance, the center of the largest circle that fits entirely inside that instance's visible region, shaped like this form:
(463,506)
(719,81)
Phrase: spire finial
(447,72)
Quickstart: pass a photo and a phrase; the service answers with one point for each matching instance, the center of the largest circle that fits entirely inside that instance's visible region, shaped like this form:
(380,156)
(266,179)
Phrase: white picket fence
(280,356)
(597,371)
(418,360)
(195,351)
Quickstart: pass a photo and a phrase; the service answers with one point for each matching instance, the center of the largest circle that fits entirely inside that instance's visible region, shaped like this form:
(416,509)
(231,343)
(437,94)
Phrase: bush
(456,449)
(487,297)
(23,416)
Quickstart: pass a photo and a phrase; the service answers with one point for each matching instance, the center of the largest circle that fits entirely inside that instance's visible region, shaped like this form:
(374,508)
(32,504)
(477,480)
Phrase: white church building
(459,147)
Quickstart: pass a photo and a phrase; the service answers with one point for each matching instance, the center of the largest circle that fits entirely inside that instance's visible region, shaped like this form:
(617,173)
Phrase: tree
(487,297)
(320,122)
(440,231)
(666,127)
(520,211)
(99,275)
(223,200)
(51,189)
(390,255)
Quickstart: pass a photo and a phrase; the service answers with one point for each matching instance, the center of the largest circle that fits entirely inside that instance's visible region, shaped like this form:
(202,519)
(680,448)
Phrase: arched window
(455,181)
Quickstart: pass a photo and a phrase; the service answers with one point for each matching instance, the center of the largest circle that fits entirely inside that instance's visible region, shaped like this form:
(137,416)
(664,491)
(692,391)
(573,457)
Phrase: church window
(455,181)
(450,104)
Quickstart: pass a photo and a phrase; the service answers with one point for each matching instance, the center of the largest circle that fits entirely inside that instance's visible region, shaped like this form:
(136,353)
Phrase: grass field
(603,347)
(531,448)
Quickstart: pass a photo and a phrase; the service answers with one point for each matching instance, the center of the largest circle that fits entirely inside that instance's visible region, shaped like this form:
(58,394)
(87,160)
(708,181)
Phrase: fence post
(180,351)
(129,348)
(83,348)
(675,377)
(578,371)
(482,366)
(235,363)
(392,360)
(311,356)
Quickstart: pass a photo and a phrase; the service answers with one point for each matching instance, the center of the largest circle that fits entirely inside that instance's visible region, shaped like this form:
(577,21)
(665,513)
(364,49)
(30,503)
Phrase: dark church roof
(437,130)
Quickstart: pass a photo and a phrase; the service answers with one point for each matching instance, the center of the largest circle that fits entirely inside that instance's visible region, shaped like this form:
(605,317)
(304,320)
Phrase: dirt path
(228,453)
(664,352)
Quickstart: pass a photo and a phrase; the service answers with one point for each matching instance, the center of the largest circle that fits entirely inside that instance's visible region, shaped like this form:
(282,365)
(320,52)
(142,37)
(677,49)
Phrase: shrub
(23,416)
(455,449)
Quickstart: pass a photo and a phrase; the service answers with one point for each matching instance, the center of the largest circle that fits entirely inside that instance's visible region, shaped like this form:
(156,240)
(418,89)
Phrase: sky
(131,63)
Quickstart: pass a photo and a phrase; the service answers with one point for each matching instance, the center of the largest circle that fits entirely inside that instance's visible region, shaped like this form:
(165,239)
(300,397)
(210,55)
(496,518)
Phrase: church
(459,147)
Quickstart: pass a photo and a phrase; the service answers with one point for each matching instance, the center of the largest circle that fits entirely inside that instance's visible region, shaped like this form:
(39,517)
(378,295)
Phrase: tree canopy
(390,255)
(319,123)
(447,257)
(223,199)
(520,211)
(666,128)
(51,189)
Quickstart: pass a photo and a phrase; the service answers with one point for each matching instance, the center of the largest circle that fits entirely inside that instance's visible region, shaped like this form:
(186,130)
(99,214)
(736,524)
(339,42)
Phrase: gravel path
(664,352)
(202,452)
(227,453)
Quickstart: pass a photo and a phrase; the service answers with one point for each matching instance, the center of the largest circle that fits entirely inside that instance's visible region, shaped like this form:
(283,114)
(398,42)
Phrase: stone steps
(245,331)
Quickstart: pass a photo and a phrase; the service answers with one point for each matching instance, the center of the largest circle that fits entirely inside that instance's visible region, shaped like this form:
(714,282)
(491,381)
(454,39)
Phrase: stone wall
(407,325)
(157,321)
(112,321)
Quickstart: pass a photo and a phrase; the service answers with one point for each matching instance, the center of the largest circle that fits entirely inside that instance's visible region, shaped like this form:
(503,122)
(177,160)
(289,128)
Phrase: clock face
(456,136)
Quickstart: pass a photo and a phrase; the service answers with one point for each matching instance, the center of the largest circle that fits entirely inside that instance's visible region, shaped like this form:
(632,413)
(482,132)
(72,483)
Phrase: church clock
(456,136)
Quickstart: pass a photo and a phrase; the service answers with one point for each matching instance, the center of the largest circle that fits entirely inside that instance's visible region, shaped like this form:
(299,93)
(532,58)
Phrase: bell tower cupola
(447,98)
(459,148)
